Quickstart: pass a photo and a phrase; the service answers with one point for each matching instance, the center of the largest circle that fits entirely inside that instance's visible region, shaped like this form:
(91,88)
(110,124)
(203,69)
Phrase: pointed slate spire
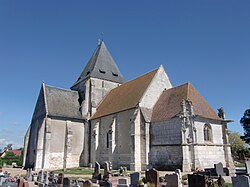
(102,66)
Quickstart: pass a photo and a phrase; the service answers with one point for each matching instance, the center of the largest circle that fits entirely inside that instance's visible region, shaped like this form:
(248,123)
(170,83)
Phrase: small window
(115,74)
(207,133)
(107,140)
(102,71)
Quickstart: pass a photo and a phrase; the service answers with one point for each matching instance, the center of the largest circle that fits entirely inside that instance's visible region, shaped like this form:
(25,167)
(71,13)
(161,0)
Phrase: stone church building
(146,122)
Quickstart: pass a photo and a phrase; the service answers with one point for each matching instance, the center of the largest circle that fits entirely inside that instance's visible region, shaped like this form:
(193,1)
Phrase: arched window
(207,133)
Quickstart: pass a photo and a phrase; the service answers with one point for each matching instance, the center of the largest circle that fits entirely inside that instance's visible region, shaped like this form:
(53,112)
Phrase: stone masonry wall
(100,151)
(166,150)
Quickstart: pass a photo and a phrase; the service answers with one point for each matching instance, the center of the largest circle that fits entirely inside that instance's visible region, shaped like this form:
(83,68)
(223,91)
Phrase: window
(207,133)
(101,71)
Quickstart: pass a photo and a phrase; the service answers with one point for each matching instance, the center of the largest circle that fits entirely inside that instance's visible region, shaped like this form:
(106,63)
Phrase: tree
(237,144)
(245,122)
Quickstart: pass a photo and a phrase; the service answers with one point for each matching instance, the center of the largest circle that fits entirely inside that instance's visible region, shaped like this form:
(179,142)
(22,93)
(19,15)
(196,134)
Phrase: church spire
(102,66)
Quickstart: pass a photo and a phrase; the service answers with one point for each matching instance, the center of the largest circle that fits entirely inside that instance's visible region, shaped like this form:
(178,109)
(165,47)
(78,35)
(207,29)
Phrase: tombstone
(241,181)
(221,181)
(106,183)
(134,179)
(46,177)
(52,178)
(152,177)
(66,181)
(219,169)
(247,164)
(87,183)
(97,173)
(172,180)
(196,180)
(106,171)
(60,178)
(40,177)
(178,171)
(122,183)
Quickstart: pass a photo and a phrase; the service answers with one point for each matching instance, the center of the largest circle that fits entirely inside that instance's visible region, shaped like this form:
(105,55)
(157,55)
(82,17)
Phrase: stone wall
(210,155)
(99,89)
(60,144)
(112,146)
(166,151)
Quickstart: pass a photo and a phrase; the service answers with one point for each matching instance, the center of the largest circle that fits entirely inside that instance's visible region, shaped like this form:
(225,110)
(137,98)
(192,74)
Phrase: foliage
(245,122)
(237,144)
(10,157)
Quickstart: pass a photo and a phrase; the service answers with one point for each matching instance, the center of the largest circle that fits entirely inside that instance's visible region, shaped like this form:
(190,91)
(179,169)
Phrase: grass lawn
(77,171)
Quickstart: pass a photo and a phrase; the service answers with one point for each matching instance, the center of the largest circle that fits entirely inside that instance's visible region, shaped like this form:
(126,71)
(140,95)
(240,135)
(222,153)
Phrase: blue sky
(205,42)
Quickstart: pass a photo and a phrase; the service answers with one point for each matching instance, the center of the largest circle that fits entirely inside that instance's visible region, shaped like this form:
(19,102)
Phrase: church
(143,123)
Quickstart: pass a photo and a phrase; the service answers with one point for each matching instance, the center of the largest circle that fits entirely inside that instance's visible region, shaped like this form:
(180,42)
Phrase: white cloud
(3,142)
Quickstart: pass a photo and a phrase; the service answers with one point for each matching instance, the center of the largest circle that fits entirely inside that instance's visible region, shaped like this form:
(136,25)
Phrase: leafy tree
(245,122)
(237,144)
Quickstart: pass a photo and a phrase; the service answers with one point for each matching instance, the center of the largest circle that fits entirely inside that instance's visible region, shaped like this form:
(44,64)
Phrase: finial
(102,36)
(100,40)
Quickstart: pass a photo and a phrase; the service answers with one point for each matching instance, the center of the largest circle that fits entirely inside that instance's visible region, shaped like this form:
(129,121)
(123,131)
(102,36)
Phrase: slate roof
(62,103)
(168,105)
(101,65)
(124,97)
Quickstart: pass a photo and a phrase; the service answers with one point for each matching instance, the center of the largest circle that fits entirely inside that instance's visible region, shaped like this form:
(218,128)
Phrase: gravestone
(247,164)
(172,180)
(60,178)
(106,183)
(87,183)
(196,180)
(219,169)
(40,177)
(134,179)
(241,181)
(66,182)
(97,173)
(106,171)
(123,183)
(152,177)
(178,171)
(46,177)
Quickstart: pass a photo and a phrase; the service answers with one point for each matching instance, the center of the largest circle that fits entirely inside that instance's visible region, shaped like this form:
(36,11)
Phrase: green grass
(240,165)
(76,171)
